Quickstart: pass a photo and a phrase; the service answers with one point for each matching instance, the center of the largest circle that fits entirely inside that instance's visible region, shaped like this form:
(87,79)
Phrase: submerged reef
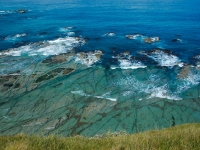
(50,87)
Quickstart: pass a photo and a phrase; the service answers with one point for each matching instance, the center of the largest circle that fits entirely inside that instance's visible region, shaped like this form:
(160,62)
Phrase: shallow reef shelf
(59,96)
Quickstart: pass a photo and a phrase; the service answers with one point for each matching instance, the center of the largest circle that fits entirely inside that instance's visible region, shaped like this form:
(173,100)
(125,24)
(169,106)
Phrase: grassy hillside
(183,137)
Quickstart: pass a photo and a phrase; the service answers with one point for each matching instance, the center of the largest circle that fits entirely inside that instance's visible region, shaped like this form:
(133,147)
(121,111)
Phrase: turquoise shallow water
(76,67)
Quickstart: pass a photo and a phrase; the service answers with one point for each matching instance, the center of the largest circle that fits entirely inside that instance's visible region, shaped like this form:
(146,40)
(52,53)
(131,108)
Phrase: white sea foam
(66,29)
(197,57)
(135,36)
(191,80)
(20,35)
(89,58)
(165,59)
(71,33)
(126,62)
(5,12)
(80,93)
(150,88)
(111,99)
(110,34)
(46,48)
(104,96)
(162,92)
(15,36)
(155,39)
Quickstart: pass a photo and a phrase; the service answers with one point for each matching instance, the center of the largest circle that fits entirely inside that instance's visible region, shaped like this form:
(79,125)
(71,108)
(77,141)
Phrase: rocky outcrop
(176,40)
(151,40)
(21,11)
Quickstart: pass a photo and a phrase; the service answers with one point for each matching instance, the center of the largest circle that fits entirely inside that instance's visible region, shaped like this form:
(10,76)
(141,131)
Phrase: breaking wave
(46,48)
(126,61)
(88,58)
(163,58)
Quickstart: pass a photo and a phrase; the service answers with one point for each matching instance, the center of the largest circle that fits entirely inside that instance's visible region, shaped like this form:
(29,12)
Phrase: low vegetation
(182,137)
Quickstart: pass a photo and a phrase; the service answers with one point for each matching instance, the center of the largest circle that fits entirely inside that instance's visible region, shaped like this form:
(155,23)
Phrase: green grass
(183,137)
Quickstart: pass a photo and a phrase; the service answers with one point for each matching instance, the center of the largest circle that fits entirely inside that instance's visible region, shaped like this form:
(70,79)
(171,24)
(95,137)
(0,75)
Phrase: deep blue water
(92,19)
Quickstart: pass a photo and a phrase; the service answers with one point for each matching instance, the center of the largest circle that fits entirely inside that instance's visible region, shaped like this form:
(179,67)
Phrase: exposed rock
(129,36)
(98,54)
(109,34)
(88,58)
(133,36)
(41,33)
(184,72)
(197,57)
(151,40)
(176,40)
(17,85)
(68,71)
(126,53)
(54,73)
(21,11)
(68,28)
(58,58)
(82,54)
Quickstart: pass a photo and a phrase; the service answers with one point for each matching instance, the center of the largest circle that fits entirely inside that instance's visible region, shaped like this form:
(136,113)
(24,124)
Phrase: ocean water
(88,67)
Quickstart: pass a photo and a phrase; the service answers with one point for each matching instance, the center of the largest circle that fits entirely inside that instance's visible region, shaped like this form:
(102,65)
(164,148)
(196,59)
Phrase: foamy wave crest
(20,35)
(66,29)
(46,48)
(188,77)
(15,36)
(89,58)
(127,62)
(193,78)
(110,34)
(71,33)
(162,92)
(164,58)
(151,88)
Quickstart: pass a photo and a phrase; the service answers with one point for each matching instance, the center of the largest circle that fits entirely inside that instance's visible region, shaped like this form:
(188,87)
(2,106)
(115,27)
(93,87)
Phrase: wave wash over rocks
(59,87)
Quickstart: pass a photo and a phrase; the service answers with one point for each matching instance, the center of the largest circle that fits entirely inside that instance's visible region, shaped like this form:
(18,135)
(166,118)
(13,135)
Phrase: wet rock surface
(176,40)
(71,93)
(151,40)
(89,102)
(185,72)
(21,11)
